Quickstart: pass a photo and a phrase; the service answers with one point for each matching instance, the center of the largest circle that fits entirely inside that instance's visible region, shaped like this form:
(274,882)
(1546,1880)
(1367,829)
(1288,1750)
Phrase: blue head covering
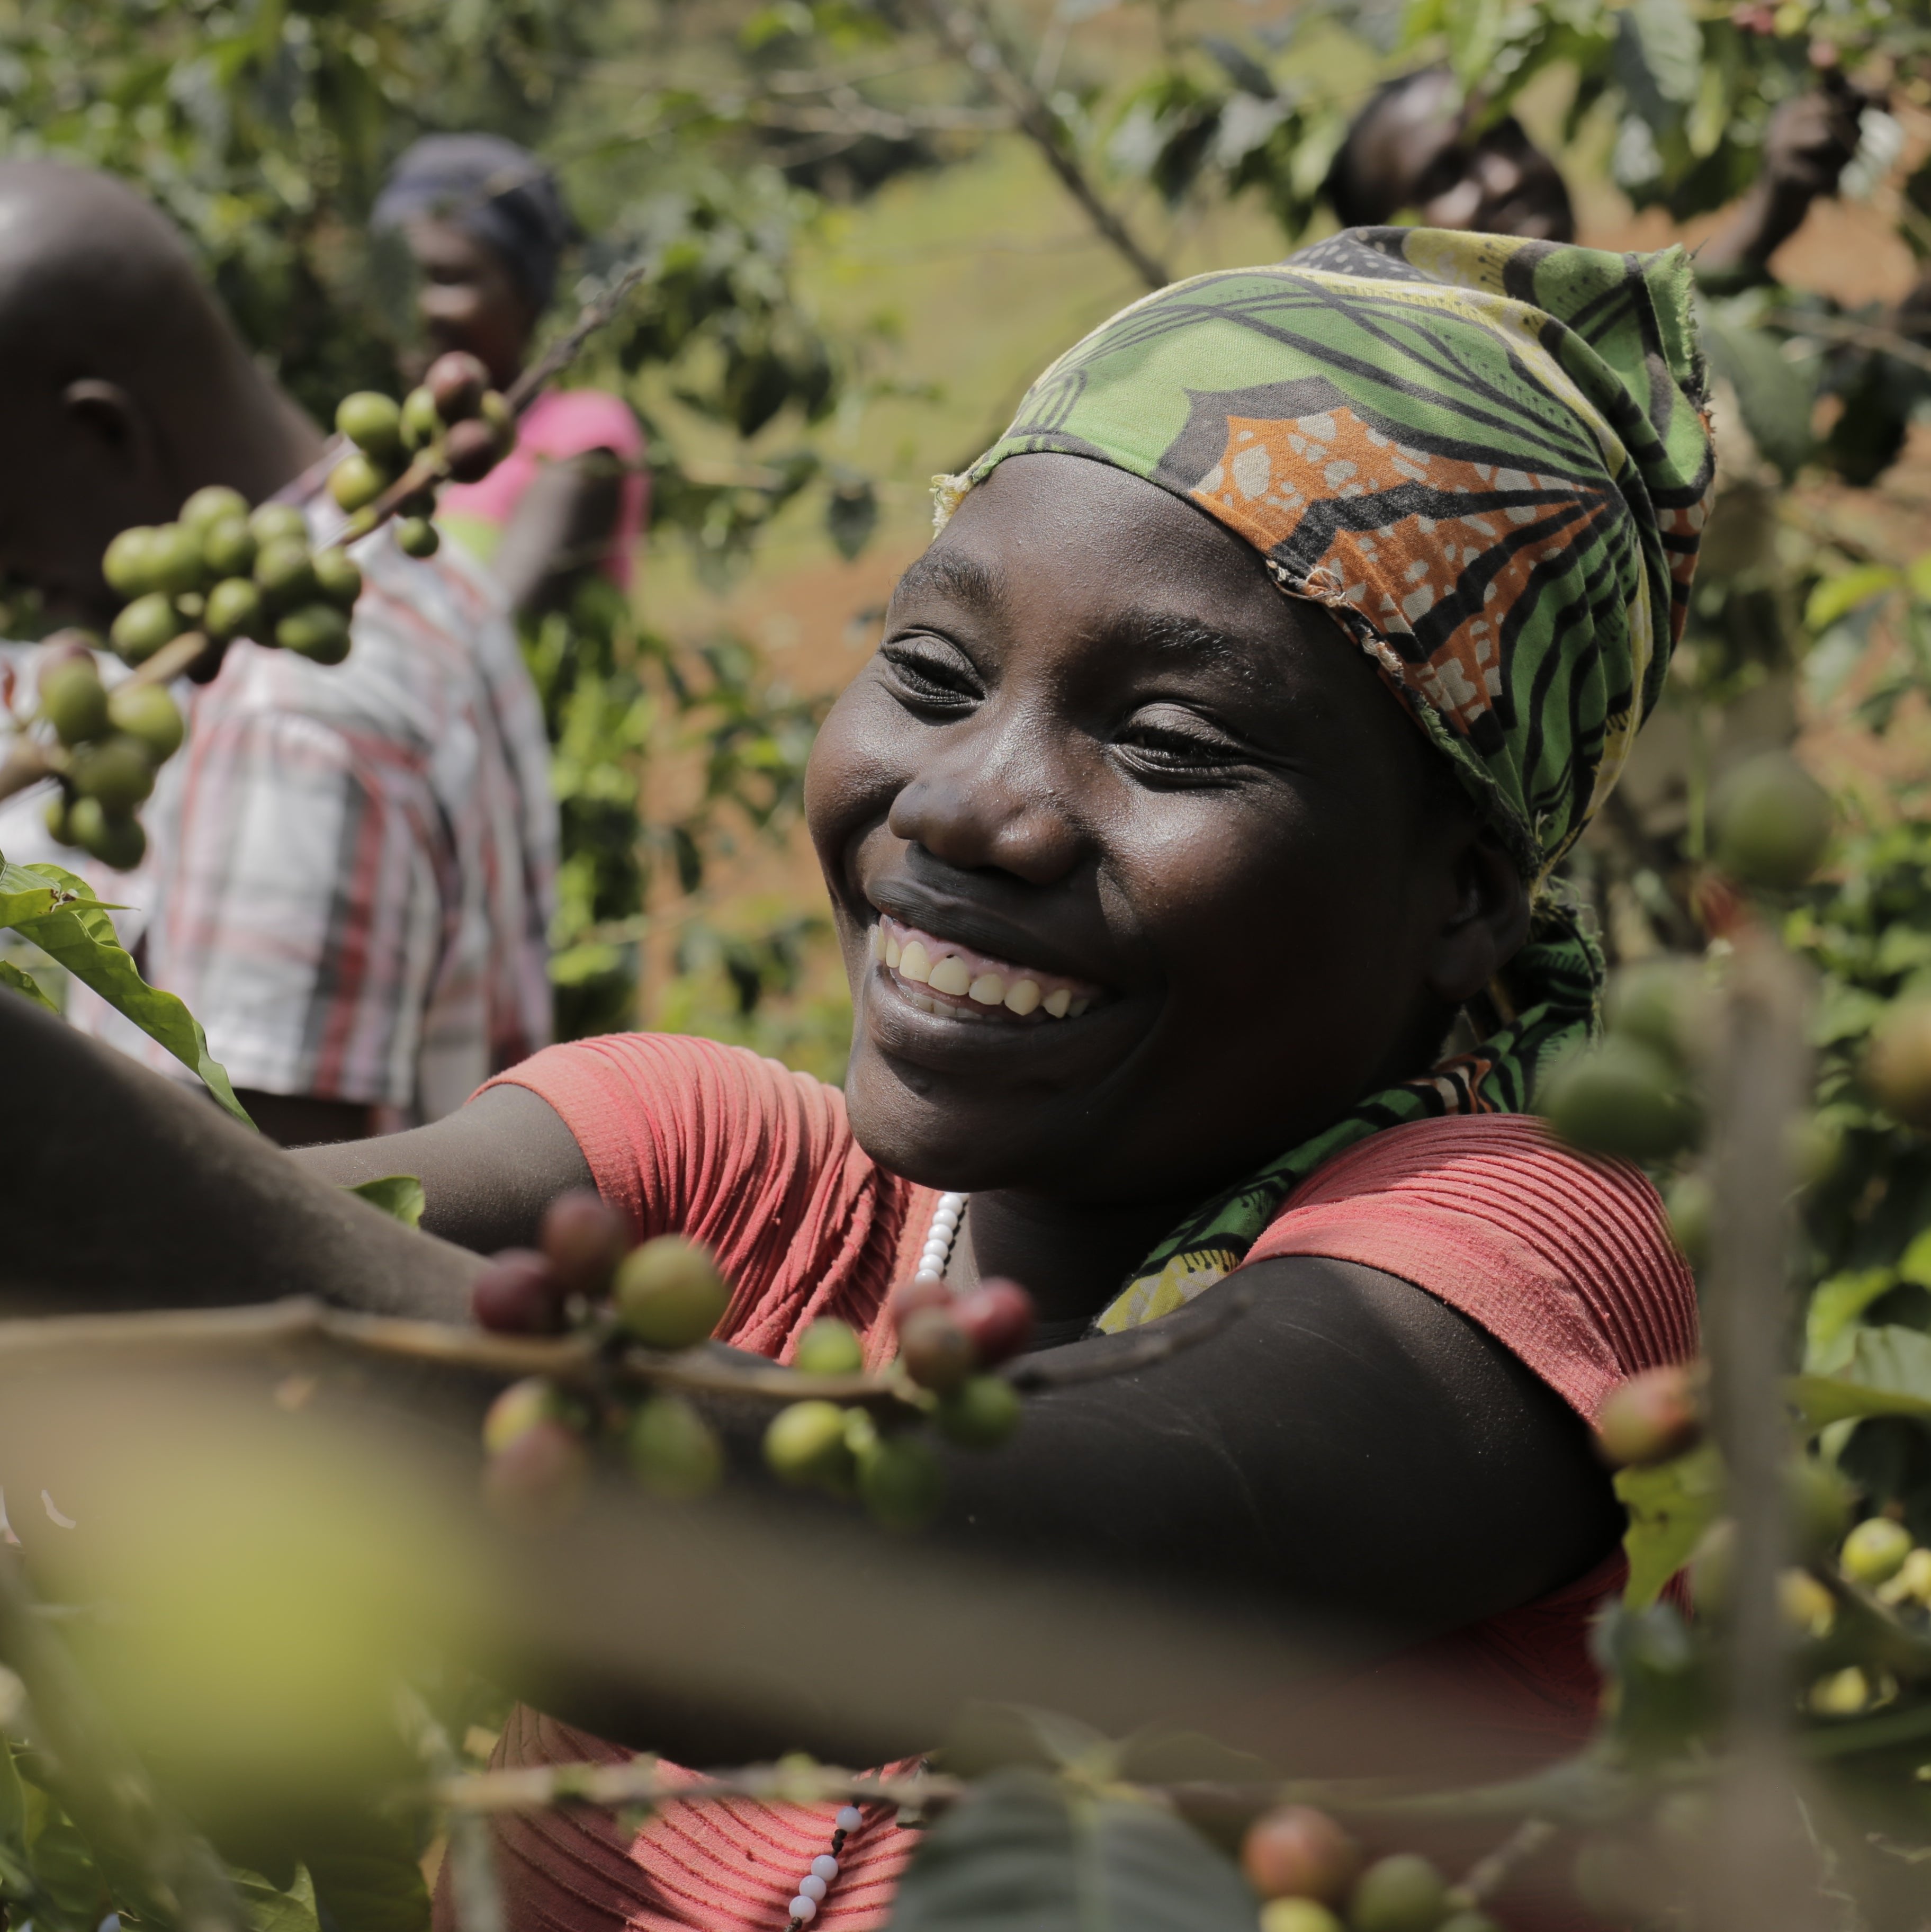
(496,193)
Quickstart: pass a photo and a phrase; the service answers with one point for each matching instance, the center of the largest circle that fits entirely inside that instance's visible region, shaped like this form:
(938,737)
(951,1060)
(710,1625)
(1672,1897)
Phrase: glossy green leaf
(270,1909)
(1888,1373)
(1670,1507)
(1775,396)
(1025,1853)
(399,1194)
(22,982)
(75,930)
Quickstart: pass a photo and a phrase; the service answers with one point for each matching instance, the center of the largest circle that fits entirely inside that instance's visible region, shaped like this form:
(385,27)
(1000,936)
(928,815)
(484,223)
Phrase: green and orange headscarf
(1490,459)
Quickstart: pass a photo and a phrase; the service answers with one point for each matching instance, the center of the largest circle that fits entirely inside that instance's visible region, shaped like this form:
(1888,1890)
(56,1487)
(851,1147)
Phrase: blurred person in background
(350,868)
(485,225)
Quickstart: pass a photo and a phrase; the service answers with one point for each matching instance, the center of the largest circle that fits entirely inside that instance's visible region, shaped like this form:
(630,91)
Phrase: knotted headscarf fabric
(1489,459)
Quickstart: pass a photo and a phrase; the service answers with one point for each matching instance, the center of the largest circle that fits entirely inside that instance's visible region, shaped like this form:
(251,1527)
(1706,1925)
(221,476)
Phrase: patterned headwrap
(1489,459)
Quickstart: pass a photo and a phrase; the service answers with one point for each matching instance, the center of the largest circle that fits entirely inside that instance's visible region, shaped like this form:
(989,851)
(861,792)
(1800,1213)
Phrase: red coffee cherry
(998,1317)
(937,1352)
(1296,1851)
(539,1478)
(1652,1418)
(456,383)
(472,449)
(519,1293)
(583,1241)
(923,1291)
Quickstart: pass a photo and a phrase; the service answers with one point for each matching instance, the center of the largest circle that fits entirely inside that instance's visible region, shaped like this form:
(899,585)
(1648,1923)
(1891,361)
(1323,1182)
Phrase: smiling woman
(1207,784)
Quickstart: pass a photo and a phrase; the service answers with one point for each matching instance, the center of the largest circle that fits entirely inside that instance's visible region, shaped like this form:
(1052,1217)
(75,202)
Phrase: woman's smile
(951,981)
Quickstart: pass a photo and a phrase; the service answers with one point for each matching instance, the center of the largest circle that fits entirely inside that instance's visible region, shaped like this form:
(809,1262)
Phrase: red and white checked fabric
(351,868)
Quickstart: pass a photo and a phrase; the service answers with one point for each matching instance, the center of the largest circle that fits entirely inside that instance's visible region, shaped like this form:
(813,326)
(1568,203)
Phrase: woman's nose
(1001,805)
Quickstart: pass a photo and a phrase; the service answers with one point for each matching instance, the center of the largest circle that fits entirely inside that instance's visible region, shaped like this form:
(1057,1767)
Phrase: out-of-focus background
(869,226)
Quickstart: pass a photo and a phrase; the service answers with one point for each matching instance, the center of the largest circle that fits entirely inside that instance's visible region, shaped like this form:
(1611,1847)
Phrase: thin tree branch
(642,1781)
(1858,335)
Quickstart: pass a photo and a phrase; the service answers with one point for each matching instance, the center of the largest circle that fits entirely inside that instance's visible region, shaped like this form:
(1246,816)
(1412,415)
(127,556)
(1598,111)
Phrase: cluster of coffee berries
(225,572)
(454,425)
(947,1348)
(115,742)
(1880,1556)
(1313,1877)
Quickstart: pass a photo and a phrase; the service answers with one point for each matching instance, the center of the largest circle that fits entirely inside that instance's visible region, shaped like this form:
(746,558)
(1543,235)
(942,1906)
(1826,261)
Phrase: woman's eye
(1173,745)
(933,674)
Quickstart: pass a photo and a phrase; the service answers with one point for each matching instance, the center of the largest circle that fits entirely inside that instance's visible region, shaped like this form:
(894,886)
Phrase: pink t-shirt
(560,424)
(1566,1262)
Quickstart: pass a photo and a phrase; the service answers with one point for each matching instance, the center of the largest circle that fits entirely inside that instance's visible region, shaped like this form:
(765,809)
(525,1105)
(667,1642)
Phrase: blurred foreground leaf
(1670,1506)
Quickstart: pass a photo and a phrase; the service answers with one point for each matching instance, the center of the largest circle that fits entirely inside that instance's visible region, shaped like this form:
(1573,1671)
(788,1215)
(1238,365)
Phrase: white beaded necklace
(940,1238)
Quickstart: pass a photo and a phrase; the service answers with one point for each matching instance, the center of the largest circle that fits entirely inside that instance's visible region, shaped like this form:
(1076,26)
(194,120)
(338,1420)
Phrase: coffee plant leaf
(1670,1505)
(1025,1853)
(1829,1323)
(373,1887)
(1888,1373)
(399,1195)
(23,982)
(270,1909)
(78,934)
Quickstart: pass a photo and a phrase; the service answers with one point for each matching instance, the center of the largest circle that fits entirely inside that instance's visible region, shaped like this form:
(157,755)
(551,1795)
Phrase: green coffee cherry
(1897,1066)
(1402,1893)
(1664,1004)
(338,577)
(371,421)
(1691,1205)
(1772,821)
(669,1294)
(1874,1551)
(56,818)
(116,770)
(1468,1922)
(149,716)
(175,560)
(357,481)
(317,631)
(74,702)
(829,1347)
(273,522)
(900,1482)
(420,424)
(128,562)
(229,547)
(417,536)
(1298,1915)
(189,606)
(805,1445)
(675,1452)
(216,504)
(147,624)
(981,1413)
(234,610)
(113,838)
(285,572)
(1619,1099)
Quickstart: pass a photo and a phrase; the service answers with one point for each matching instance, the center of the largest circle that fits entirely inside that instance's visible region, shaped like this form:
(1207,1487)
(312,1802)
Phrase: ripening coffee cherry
(472,450)
(420,425)
(149,716)
(73,701)
(495,410)
(1897,1064)
(1772,822)
(234,610)
(285,572)
(357,481)
(583,1239)
(145,626)
(519,1408)
(805,1446)
(417,536)
(1840,1693)
(456,382)
(1874,1551)
(371,421)
(175,560)
(114,838)
(1807,1608)
(829,1347)
(116,770)
(1298,1915)
(276,523)
(922,1290)
(1296,1851)
(1652,1418)
(981,1413)
(538,1479)
(317,631)
(900,1482)
(215,504)
(338,577)
(1401,1893)
(669,1293)
(1912,1583)
(126,562)
(518,1294)
(675,1452)
(1619,1099)
(229,548)
(935,1350)
(998,1318)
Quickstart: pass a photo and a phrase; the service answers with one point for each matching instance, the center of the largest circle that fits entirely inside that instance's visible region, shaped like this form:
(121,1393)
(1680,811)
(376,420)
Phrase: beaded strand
(940,1236)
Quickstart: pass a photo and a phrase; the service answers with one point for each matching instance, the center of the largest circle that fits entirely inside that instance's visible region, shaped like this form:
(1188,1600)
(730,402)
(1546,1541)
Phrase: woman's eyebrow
(955,574)
(1167,634)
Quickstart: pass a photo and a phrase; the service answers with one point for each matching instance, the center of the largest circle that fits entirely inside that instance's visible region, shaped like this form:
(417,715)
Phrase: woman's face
(1198,878)
(467,298)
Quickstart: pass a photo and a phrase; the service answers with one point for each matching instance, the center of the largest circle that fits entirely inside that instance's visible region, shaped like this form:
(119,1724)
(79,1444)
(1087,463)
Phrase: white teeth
(1077,1007)
(1056,1003)
(892,951)
(949,976)
(1021,998)
(915,963)
(988,989)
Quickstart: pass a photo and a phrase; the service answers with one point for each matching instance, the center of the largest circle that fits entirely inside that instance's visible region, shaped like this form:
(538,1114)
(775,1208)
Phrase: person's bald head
(123,386)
